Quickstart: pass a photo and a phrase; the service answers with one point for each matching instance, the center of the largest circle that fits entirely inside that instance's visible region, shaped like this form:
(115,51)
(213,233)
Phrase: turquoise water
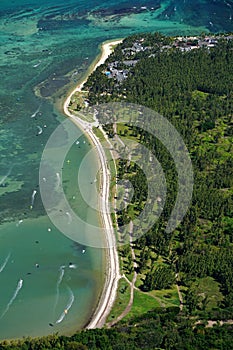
(47,288)
(46,47)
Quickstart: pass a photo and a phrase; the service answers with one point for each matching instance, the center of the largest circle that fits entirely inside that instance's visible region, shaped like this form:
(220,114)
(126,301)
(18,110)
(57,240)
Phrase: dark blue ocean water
(46,47)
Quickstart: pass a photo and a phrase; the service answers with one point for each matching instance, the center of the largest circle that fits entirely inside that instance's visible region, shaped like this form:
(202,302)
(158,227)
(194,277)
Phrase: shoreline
(106,50)
(108,295)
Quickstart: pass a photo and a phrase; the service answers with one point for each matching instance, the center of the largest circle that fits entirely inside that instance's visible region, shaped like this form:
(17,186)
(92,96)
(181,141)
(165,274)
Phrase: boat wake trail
(59,281)
(40,130)
(58,181)
(69,217)
(68,306)
(61,275)
(19,286)
(36,112)
(33,198)
(5,262)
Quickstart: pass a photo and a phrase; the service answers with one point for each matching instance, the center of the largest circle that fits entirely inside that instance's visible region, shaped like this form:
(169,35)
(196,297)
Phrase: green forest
(158,329)
(193,89)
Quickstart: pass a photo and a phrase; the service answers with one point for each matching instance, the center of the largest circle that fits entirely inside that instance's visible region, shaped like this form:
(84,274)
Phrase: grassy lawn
(122,299)
(167,297)
(124,130)
(142,303)
(99,134)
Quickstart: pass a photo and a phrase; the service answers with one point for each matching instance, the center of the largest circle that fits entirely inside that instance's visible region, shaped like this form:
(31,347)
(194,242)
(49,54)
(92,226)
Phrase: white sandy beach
(106,50)
(112,270)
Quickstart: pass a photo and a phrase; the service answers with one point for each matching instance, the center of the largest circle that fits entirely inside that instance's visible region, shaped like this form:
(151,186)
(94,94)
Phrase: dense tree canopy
(193,89)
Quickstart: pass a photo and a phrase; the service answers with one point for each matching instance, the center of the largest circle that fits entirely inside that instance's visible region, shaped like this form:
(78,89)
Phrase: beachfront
(106,50)
(112,269)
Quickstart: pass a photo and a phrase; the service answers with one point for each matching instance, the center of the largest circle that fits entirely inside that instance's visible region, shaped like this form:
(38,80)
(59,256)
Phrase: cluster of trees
(194,91)
(160,278)
(158,329)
